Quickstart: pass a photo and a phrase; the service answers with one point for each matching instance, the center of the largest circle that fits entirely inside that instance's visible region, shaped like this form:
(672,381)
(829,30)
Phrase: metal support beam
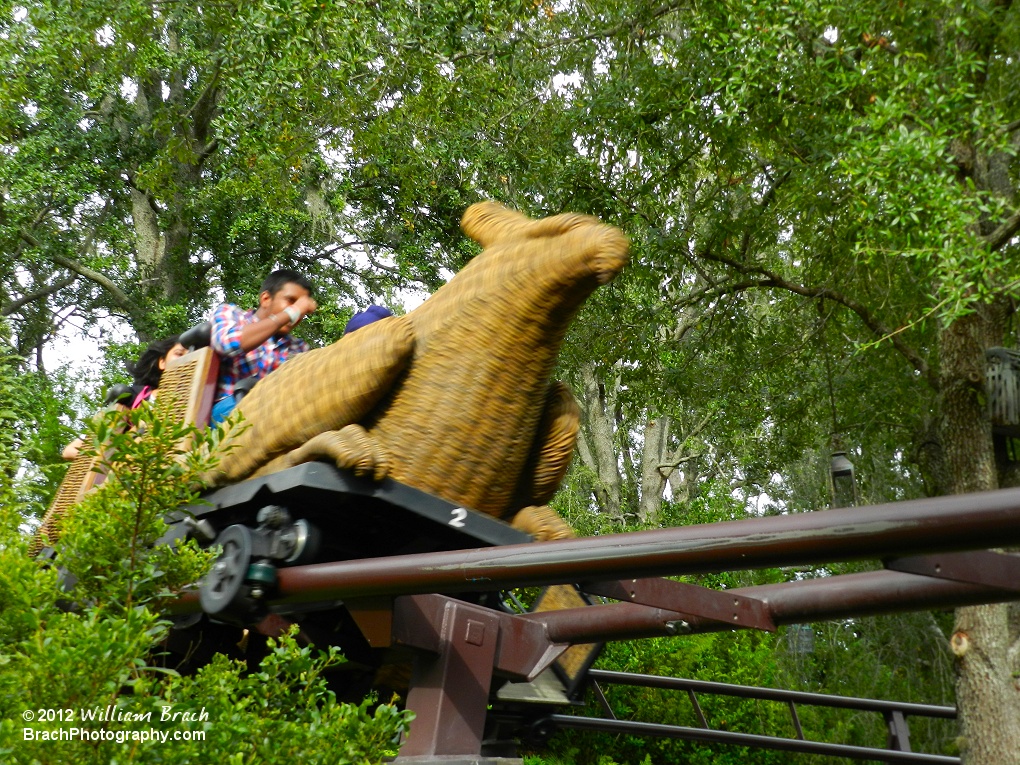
(460,646)
(725,607)
(899,731)
(983,567)
(449,688)
(835,597)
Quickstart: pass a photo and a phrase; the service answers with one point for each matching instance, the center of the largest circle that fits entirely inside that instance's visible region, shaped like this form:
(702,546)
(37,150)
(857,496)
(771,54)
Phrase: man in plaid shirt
(254,343)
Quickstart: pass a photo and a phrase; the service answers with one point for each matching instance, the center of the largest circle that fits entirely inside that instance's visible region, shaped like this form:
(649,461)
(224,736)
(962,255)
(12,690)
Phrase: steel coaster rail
(743,739)
(894,714)
(958,522)
(608,677)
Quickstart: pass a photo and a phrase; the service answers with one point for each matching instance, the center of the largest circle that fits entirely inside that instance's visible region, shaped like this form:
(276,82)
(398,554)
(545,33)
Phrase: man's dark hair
(146,370)
(281,277)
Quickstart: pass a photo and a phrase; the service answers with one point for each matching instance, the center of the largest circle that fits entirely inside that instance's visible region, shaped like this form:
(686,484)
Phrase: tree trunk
(149,242)
(596,444)
(987,695)
(653,480)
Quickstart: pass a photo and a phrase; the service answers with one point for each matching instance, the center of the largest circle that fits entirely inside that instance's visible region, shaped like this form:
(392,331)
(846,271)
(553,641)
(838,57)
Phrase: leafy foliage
(90,652)
(815,192)
(151,464)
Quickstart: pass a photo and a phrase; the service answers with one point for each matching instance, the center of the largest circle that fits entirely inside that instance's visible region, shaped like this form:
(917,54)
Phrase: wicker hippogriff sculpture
(455,398)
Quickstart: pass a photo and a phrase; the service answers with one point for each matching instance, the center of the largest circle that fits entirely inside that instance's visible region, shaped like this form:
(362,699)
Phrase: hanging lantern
(801,639)
(841,467)
(1002,383)
(844,484)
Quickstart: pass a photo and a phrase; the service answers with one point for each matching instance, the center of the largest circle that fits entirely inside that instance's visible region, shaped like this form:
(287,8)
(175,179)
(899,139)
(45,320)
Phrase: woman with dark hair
(147,371)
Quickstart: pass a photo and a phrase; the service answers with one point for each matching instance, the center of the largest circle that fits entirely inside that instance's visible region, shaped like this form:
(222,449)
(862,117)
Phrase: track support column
(451,680)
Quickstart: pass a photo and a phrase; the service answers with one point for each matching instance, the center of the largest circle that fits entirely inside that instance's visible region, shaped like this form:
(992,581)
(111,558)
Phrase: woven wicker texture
(187,384)
(455,398)
(81,476)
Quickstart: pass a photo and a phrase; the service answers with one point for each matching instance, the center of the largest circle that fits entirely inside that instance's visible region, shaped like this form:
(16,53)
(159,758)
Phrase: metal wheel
(304,539)
(223,588)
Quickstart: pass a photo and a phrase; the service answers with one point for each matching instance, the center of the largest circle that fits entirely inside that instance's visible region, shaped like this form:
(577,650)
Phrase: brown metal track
(959,522)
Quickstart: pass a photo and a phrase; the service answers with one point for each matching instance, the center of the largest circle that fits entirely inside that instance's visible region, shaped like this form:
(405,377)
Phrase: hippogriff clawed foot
(350,448)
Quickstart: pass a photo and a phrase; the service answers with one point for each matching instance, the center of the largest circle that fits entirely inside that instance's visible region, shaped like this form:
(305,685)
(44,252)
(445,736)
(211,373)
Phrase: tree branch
(771,280)
(18,304)
(600,34)
(1001,236)
(119,296)
(677,462)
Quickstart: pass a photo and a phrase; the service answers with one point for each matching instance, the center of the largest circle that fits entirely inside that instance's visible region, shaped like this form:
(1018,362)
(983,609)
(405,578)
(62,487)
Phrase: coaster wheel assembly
(225,589)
